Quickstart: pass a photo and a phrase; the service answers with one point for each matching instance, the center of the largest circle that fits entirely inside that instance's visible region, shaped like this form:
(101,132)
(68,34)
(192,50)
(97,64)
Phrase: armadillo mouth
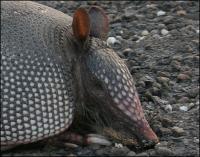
(130,106)
(147,136)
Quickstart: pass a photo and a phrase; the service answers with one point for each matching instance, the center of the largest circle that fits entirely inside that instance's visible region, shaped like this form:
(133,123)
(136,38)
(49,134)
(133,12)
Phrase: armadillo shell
(37,92)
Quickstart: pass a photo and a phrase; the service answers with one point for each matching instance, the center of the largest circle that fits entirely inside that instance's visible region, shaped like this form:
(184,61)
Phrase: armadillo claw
(96,139)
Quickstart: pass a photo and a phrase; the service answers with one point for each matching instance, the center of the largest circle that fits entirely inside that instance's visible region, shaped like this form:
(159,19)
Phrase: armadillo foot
(87,139)
(97,139)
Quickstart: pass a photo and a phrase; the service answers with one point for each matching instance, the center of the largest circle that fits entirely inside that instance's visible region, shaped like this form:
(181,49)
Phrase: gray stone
(163,73)
(168,108)
(161,26)
(183,77)
(156,36)
(129,12)
(193,92)
(164,32)
(127,51)
(142,154)
(148,80)
(131,153)
(145,33)
(112,40)
(165,131)
(161,13)
(183,99)
(163,151)
(163,79)
(178,57)
(176,65)
(183,108)
(119,151)
(154,31)
(166,122)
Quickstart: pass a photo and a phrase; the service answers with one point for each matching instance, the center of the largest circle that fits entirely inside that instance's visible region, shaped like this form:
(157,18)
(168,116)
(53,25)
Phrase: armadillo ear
(99,23)
(81,24)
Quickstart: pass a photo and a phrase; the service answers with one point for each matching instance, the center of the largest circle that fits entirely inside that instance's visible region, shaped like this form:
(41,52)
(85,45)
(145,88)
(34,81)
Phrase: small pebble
(156,36)
(131,153)
(197,31)
(145,33)
(164,32)
(119,37)
(165,131)
(119,151)
(178,57)
(177,131)
(161,25)
(118,145)
(164,151)
(183,108)
(192,93)
(176,65)
(181,12)
(166,122)
(112,41)
(183,77)
(196,140)
(183,100)
(151,5)
(168,108)
(94,146)
(161,13)
(140,38)
(191,105)
(72,155)
(127,51)
(163,79)
(148,80)
(154,31)
(164,74)
(142,154)
(159,100)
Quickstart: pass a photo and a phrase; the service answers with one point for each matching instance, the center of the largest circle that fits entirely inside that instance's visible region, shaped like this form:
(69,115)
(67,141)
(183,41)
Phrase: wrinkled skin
(110,97)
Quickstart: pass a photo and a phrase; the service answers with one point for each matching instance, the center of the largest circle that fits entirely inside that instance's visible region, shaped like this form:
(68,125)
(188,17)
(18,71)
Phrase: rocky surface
(160,43)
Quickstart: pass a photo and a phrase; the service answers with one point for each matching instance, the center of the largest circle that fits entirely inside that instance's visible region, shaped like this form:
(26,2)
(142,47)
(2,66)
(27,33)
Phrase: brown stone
(181,12)
(183,77)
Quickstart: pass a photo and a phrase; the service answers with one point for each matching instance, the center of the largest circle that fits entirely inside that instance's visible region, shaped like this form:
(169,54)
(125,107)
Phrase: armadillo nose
(148,137)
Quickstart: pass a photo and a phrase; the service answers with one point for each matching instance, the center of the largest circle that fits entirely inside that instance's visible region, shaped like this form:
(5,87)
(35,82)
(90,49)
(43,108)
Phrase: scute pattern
(116,78)
(37,97)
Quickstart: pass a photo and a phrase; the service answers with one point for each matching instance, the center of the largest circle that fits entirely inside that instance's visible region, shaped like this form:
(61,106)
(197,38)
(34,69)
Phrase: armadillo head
(105,77)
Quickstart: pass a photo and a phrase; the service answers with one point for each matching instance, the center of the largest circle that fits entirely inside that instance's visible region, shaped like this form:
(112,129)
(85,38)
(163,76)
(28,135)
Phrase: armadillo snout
(145,134)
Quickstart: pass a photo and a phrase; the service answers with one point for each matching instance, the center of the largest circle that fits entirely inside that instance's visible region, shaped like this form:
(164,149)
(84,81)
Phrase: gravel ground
(160,42)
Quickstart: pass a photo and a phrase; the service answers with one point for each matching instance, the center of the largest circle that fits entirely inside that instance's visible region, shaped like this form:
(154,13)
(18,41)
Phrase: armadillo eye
(98,85)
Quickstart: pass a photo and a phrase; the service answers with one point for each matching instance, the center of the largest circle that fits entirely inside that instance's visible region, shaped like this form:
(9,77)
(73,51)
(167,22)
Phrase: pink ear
(81,24)
(98,22)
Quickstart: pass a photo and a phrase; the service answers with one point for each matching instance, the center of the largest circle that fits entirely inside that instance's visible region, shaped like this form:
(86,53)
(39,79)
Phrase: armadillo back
(37,95)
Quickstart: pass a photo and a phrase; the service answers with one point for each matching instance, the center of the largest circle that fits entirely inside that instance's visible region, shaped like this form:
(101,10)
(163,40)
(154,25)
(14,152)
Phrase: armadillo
(50,62)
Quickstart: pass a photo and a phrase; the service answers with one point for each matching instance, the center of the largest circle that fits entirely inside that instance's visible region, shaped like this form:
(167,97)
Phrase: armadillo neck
(37,91)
